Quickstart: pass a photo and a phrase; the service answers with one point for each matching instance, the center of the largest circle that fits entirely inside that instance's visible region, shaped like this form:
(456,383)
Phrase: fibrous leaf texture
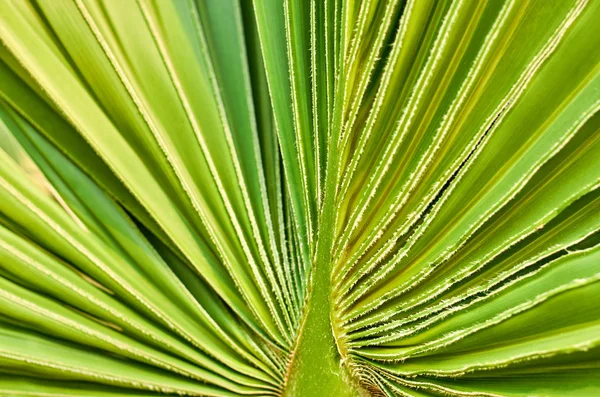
(299,198)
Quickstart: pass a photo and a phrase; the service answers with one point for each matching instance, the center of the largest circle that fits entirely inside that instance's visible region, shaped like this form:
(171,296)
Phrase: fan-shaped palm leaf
(300,198)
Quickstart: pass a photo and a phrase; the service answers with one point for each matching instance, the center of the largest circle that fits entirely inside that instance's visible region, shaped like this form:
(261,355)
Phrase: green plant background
(299,198)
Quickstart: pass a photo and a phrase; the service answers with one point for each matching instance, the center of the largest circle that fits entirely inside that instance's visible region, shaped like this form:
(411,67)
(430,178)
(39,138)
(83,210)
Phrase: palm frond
(299,198)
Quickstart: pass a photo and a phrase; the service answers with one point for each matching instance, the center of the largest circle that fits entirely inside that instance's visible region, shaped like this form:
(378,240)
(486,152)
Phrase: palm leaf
(299,198)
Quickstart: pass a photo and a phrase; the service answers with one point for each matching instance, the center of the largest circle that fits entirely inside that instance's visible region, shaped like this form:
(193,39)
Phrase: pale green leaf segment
(299,198)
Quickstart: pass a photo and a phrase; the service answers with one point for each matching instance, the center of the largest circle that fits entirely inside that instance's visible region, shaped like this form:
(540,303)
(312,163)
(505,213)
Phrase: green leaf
(299,198)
